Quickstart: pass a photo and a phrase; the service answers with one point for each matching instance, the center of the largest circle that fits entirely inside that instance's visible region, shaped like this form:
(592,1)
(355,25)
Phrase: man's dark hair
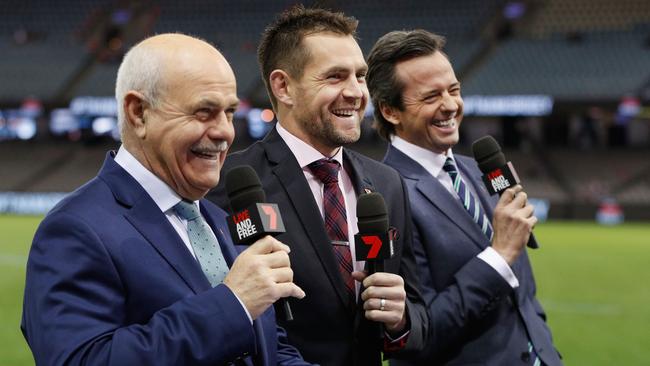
(384,86)
(281,45)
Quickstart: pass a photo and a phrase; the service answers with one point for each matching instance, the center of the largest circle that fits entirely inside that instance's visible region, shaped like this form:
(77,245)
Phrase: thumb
(359,276)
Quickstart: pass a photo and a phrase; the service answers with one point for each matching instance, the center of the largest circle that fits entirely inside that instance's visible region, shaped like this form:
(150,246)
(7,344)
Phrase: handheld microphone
(498,174)
(251,218)
(374,242)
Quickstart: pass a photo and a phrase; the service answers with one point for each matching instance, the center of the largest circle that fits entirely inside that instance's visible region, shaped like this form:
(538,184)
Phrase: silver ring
(382,304)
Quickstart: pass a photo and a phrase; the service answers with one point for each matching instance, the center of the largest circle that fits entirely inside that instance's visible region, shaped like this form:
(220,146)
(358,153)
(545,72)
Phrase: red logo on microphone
(375,245)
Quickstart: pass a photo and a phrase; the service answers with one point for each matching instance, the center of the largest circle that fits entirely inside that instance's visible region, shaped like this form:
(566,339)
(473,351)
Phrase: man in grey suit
(476,277)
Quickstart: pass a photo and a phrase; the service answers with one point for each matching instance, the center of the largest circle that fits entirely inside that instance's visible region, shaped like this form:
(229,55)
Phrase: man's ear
(281,87)
(134,106)
(390,114)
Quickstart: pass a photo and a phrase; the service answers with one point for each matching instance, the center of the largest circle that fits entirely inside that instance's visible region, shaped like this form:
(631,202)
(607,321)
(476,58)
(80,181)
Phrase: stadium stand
(582,53)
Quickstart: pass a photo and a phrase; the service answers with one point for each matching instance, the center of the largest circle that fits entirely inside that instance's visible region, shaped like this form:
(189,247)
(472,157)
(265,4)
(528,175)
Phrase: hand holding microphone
(513,220)
(261,274)
(384,297)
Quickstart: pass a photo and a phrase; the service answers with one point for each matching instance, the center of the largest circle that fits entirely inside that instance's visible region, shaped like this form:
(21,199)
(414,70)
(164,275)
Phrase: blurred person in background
(134,267)
(476,278)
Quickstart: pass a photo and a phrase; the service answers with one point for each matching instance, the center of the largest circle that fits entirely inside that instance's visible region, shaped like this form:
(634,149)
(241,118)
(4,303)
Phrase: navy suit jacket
(476,317)
(327,327)
(110,282)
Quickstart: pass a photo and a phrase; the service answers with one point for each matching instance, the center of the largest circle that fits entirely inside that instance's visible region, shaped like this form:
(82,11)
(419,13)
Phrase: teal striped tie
(469,201)
(205,245)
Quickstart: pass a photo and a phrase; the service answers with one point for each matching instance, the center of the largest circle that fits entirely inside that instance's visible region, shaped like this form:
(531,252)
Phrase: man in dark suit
(315,76)
(477,281)
(135,268)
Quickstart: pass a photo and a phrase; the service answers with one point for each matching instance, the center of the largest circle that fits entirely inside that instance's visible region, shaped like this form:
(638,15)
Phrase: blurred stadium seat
(591,57)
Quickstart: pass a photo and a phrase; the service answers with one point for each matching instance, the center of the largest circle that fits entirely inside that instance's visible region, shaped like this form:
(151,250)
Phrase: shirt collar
(431,161)
(162,194)
(305,153)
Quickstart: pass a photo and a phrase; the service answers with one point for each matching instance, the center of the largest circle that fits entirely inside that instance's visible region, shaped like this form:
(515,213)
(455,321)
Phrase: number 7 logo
(273,216)
(375,245)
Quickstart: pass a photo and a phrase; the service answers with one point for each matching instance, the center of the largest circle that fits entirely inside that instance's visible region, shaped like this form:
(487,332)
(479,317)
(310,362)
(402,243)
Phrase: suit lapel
(437,195)
(146,217)
(361,182)
(292,179)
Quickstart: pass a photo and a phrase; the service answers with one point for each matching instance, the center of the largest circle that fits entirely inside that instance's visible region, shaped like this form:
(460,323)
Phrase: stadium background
(564,85)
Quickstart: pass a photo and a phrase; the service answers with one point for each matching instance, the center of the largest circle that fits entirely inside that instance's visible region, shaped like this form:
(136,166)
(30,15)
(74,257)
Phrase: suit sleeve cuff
(496,261)
(394,345)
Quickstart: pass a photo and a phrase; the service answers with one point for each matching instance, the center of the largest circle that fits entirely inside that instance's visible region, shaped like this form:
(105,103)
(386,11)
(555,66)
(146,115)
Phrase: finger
(387,317)
(383,279)
(532,221)
(280,275)
(526,211)
(375,304)
(520,200)
(396,293)
(262,246)
(509,195)
(290,289)
(276,259)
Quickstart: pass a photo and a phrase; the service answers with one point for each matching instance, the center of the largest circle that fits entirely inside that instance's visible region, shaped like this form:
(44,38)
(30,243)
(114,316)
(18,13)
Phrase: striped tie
(469,201)
(336,223)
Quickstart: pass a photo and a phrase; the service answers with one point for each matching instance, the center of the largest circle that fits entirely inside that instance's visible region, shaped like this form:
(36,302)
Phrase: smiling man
(134,267)
(315,73)
(476,278)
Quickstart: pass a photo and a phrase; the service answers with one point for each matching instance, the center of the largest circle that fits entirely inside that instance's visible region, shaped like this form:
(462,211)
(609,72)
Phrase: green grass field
(593,281)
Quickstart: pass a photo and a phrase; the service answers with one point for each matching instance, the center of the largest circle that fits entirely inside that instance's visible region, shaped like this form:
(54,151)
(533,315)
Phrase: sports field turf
(594,282)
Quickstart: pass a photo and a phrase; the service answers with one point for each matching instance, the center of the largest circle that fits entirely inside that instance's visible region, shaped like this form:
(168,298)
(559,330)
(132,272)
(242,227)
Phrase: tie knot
(326,170)
(187,210)
(450,166)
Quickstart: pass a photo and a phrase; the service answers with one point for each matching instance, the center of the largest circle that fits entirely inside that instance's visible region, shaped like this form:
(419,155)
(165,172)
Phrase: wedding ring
(382,304)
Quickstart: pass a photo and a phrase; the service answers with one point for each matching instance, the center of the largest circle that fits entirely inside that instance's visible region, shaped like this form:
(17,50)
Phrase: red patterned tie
(336,223)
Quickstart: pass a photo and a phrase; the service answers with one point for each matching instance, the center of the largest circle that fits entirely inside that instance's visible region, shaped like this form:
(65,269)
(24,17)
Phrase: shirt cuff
(496,261)
(242,305)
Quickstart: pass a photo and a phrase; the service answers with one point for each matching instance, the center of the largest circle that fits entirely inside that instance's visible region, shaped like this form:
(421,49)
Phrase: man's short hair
(384,86)
(281,45)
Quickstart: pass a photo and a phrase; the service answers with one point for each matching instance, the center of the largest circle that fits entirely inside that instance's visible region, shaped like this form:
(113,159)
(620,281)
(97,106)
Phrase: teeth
(448,123)
(343,112)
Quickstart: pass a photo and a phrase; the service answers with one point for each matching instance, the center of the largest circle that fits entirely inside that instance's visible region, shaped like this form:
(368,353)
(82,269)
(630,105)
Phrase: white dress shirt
(164,197)
(306,154)
(433,163)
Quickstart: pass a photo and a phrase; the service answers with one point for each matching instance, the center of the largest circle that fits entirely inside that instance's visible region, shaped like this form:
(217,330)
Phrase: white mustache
(215,147)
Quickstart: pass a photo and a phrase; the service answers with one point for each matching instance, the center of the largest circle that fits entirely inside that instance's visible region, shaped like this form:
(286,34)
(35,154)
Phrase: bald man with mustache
(135,267)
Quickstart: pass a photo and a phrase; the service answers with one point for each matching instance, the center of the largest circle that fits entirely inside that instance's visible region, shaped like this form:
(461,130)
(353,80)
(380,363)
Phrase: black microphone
(498,174)
(373,243)
(251,217)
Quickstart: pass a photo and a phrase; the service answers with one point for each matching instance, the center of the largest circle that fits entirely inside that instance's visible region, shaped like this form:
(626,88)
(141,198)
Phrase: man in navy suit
(134,267)
(477,280)
(315,73)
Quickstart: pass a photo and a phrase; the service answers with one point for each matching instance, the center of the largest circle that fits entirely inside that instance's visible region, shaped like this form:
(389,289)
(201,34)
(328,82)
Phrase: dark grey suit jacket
(328,328)
(476,317)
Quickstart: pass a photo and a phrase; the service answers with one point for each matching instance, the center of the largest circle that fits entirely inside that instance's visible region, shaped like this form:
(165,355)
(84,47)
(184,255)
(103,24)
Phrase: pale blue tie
(205,245)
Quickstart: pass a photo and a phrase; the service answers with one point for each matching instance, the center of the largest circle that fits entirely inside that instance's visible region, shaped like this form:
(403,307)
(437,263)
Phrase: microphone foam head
(488,154)
(243,187)
(372,215)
